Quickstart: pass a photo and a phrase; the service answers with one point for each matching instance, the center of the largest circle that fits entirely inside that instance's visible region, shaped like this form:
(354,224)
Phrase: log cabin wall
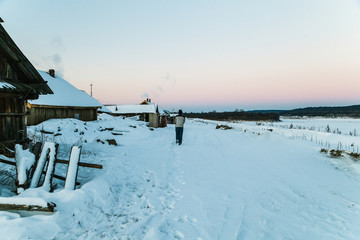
(12,118)
(40,114)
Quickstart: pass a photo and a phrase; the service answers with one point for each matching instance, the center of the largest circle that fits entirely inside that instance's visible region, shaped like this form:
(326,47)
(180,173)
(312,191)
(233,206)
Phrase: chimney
(52,72)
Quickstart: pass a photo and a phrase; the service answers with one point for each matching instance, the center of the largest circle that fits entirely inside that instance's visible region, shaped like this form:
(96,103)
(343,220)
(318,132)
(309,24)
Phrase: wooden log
(36,150)
(50,170)
(61,178)
(48,151)
(26,206)
(7,162)
(23,207)
(81,164)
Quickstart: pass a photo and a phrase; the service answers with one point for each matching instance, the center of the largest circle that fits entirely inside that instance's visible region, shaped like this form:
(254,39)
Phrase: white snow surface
(104,109)
(73,168)
(65,94)
(123,109)
(24,161)
(23,201)
(244,183)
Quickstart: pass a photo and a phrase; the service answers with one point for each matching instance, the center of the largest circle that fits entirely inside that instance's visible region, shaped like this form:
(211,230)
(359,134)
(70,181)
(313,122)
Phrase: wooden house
(66,102)
(147,112)
(19,82)
(162,116)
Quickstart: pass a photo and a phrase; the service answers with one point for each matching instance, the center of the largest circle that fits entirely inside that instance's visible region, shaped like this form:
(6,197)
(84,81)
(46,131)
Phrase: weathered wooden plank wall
(6,71)
(40,114)
(12,124)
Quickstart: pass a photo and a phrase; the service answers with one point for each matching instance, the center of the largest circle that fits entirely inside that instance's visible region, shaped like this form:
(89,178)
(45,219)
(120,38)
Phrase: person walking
(179,127)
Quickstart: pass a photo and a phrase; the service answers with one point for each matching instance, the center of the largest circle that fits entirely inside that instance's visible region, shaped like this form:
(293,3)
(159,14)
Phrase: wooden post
(36,150)
(50,169)
(48,148)
(24,121)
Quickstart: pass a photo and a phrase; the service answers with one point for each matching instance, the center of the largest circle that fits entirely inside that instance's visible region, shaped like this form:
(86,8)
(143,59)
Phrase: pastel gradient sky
(198,55)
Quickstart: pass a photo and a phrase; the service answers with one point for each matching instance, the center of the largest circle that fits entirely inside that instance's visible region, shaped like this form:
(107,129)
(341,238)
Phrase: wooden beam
(81,164)
(7,162)
(61,178)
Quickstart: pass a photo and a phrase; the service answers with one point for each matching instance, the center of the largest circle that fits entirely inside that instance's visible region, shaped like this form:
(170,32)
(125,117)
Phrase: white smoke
(163,83)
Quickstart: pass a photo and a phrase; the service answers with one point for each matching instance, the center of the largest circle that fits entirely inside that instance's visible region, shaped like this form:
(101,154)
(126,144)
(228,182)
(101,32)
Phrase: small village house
(66,102)
(19,82)
(147,111)
(162,116)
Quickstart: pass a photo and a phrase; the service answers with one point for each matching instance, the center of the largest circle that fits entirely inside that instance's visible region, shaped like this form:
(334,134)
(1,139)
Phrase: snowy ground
(244,183)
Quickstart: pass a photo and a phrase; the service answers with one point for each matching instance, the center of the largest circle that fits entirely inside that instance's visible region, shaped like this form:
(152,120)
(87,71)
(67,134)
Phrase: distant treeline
(347,111)
(234,116)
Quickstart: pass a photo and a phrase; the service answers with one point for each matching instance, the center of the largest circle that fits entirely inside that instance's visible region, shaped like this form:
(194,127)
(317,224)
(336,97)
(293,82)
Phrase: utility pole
(91,89)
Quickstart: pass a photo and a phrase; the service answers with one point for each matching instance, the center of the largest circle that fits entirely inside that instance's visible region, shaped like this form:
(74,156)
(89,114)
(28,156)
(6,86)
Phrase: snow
(314,130)
(122,109)
(104,109)
(65,94)
(24,161)
(73,168)
(244,183)
(6,85)
(23,201)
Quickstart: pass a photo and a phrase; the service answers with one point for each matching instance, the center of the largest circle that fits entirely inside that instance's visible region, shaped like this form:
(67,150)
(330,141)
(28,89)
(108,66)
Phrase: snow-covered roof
(104,109)
(65,94)
(161,111)
(123,109)
(5,85)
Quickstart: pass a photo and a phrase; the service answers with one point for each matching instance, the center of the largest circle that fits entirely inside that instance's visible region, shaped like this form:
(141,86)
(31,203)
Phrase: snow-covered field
(255,181)
(335,133)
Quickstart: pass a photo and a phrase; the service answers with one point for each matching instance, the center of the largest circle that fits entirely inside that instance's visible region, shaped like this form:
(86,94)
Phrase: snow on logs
(48,153)
(32,204)
(73,168)
(24,160)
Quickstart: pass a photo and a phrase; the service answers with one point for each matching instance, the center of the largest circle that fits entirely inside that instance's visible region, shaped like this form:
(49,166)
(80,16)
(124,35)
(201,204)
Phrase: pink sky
(244,54)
